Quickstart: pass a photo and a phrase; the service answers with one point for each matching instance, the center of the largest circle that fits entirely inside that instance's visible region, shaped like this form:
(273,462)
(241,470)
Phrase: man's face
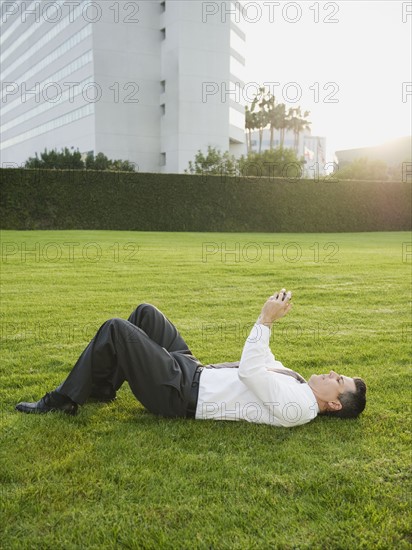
(327,387)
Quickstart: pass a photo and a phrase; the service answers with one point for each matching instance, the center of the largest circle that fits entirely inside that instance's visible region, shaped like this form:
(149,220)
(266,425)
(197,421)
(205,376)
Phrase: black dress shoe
(48,403)
(104,393)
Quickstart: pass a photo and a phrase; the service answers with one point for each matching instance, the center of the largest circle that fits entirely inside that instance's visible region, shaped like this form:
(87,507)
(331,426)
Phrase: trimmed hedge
(49,199)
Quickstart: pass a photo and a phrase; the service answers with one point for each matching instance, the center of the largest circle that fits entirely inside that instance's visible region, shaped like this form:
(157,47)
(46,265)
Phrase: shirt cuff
(259,333)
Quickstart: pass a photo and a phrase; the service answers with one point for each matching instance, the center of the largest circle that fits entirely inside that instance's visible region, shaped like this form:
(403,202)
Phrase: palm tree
(297,124)
(250,124)
(261,117)
(281,121)
(271,116)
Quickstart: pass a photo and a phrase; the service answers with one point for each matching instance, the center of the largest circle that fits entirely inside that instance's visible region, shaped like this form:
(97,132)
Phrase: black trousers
(147,351)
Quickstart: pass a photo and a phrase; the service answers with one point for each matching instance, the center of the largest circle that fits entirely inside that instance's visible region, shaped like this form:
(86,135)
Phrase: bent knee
(146,304)
(118,322)
(147,307)
(125,329)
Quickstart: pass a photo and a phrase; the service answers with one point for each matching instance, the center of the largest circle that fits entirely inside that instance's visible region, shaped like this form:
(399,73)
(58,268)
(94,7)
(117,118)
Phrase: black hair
(353,402)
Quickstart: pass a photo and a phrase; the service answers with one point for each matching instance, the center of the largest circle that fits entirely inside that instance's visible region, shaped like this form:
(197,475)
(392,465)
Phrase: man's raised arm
(252,369)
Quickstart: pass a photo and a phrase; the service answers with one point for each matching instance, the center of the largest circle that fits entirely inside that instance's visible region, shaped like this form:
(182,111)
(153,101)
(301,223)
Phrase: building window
(163,6)
(56,77)
(163,109)
(162,86)
(47,37)
(66,46)
(163,33)
(162,159)
(51,125)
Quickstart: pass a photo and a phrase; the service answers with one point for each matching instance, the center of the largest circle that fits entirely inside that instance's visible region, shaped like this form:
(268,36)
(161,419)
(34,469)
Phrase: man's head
(338,395)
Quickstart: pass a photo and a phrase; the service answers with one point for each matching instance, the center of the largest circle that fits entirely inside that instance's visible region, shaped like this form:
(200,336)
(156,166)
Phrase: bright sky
(367,54)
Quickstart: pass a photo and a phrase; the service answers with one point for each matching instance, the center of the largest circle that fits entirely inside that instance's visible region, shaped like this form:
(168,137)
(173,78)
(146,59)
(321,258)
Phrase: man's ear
(334,405)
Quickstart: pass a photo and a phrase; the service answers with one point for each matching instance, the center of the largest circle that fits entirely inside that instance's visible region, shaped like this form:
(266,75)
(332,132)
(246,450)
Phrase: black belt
(194,392)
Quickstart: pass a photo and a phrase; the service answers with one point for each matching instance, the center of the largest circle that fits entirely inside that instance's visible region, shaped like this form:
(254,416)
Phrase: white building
(311,148)
(151,82)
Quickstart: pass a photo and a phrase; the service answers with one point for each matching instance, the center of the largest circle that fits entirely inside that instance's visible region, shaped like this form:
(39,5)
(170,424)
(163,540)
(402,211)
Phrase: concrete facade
(151,82)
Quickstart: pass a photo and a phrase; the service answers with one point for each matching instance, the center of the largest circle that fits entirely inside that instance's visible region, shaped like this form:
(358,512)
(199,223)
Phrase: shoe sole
(71,412)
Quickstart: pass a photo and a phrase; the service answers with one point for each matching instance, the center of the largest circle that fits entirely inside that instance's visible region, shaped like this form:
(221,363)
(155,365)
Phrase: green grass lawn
(116,476)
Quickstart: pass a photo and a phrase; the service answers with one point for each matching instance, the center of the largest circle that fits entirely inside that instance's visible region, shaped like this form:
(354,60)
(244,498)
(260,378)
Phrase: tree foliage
(72,160)
(63,160)
(101,162)
(214,162)
(277,162)
(273,163)
(273,114)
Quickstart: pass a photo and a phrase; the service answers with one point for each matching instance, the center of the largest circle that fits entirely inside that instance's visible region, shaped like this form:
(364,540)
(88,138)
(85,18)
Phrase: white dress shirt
(254,393)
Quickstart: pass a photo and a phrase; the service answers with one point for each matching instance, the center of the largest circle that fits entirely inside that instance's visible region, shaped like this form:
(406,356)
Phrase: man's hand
(275,307)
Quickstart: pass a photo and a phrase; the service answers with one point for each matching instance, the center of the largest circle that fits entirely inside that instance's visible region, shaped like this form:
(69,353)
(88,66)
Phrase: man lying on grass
(148,351)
